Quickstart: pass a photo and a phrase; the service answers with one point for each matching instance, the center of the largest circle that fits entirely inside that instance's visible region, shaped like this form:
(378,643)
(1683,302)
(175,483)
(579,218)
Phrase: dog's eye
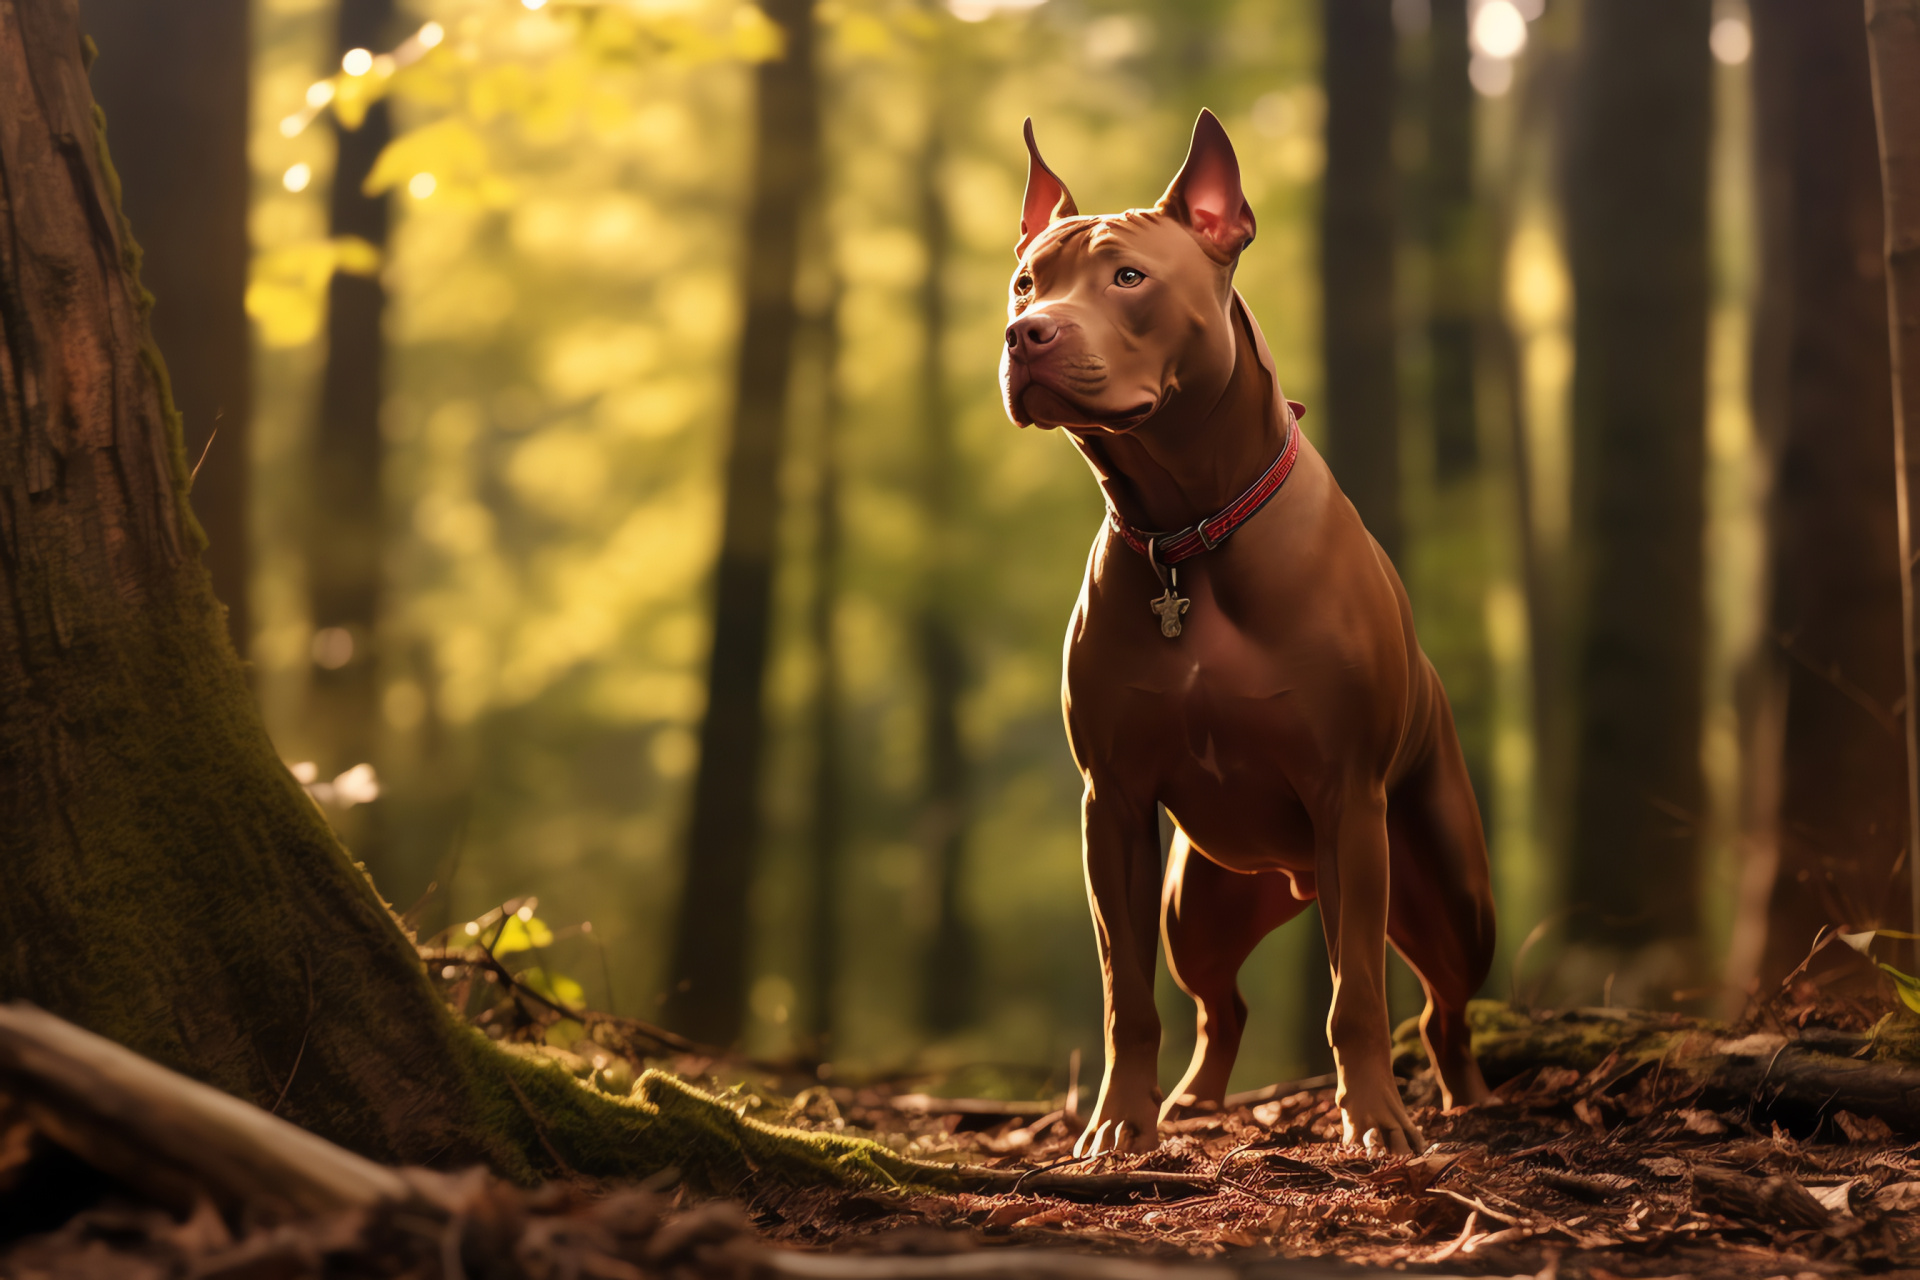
(1128,277)
(1023,285)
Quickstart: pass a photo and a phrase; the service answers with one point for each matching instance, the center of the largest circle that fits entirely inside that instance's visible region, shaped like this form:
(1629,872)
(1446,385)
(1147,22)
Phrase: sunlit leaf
(1906,985)
(451,150)
(519,935)
(286,296)
(756,37)
(558,988)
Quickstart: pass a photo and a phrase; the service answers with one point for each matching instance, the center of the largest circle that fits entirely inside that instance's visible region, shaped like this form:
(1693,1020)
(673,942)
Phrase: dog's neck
(1168,473)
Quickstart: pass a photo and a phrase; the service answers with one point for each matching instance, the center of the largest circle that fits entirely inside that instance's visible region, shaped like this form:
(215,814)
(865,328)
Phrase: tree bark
(1638,214)
(173,82)
(708,966)
(1357,248)
(948,971)
(1821,395)
(1893,37)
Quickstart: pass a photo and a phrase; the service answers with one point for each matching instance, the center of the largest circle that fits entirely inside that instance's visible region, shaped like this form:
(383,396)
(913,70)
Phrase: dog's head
(1119,318)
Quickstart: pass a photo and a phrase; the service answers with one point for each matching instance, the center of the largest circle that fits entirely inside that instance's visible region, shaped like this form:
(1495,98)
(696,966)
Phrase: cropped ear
(1206,195)
(1047,197)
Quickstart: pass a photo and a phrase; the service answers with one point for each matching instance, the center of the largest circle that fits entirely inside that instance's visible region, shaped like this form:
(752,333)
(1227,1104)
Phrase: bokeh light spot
(1499,29)
(1731,41)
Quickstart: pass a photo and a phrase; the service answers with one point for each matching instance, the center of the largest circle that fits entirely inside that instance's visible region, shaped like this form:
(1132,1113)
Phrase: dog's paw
(1117,1137)
(1377,1120)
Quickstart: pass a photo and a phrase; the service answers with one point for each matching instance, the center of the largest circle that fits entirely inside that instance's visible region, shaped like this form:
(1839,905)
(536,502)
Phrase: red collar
(1167,549)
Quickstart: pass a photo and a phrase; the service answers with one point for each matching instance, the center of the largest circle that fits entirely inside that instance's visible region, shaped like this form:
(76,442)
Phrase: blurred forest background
(531,345)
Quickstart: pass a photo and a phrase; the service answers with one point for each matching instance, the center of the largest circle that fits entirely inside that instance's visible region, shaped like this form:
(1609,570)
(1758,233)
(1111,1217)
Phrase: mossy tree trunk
(168,885)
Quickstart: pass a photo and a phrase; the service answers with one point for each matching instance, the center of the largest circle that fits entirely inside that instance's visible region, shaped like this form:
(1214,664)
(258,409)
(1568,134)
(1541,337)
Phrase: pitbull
(1255,671)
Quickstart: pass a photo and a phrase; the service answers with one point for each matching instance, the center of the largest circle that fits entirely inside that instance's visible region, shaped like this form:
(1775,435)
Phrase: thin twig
(1479,1206)
(204,451)
(301,1052)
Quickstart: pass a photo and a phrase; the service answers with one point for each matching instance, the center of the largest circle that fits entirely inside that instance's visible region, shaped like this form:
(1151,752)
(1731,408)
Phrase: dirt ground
(1631,1167)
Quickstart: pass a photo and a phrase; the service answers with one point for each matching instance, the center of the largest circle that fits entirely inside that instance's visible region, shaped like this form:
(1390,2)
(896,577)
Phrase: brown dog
(1265,687)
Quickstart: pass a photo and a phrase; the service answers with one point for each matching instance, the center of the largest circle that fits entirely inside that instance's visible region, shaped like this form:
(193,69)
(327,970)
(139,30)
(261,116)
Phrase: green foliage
(1905,986)
(522,935)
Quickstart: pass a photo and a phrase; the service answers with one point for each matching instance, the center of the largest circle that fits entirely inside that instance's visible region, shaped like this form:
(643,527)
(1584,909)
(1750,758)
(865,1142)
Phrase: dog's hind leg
(1211,920)
(1440,912)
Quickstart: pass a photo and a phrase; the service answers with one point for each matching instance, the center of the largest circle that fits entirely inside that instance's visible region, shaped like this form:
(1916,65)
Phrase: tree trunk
(346,519)
(168,885)
(948,973)
(173,82)
(1893,37)
(1821,393)
(708,968)
(1357,248)
(1454,241)
(1638,221)
(1358,243)
(1452,571)
(826,831)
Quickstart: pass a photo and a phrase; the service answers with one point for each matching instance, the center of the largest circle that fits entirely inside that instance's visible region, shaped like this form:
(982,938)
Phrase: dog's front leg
(1352,870)
(1122,858)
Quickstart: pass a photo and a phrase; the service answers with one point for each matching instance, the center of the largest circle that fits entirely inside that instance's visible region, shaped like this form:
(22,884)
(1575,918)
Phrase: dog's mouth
(1036,402)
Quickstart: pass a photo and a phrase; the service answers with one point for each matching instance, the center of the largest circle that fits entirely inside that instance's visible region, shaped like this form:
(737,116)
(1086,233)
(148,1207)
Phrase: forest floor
(1625,1164)
(1544,1181)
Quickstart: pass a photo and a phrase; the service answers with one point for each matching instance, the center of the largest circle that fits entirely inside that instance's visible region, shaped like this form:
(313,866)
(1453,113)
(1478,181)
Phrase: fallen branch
(1768,1072)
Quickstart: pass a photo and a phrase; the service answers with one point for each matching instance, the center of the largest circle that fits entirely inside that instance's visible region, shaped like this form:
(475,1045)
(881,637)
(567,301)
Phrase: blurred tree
(1458,292)
(346,529)
(1637,212)
(1459,307)
(1893,36)
(1822,396)
(949,964)
(173,82)
(1358,241)
(708,970)
(826,826)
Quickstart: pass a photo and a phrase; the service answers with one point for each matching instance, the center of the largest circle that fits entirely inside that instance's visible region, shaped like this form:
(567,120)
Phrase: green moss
(1507,1041)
